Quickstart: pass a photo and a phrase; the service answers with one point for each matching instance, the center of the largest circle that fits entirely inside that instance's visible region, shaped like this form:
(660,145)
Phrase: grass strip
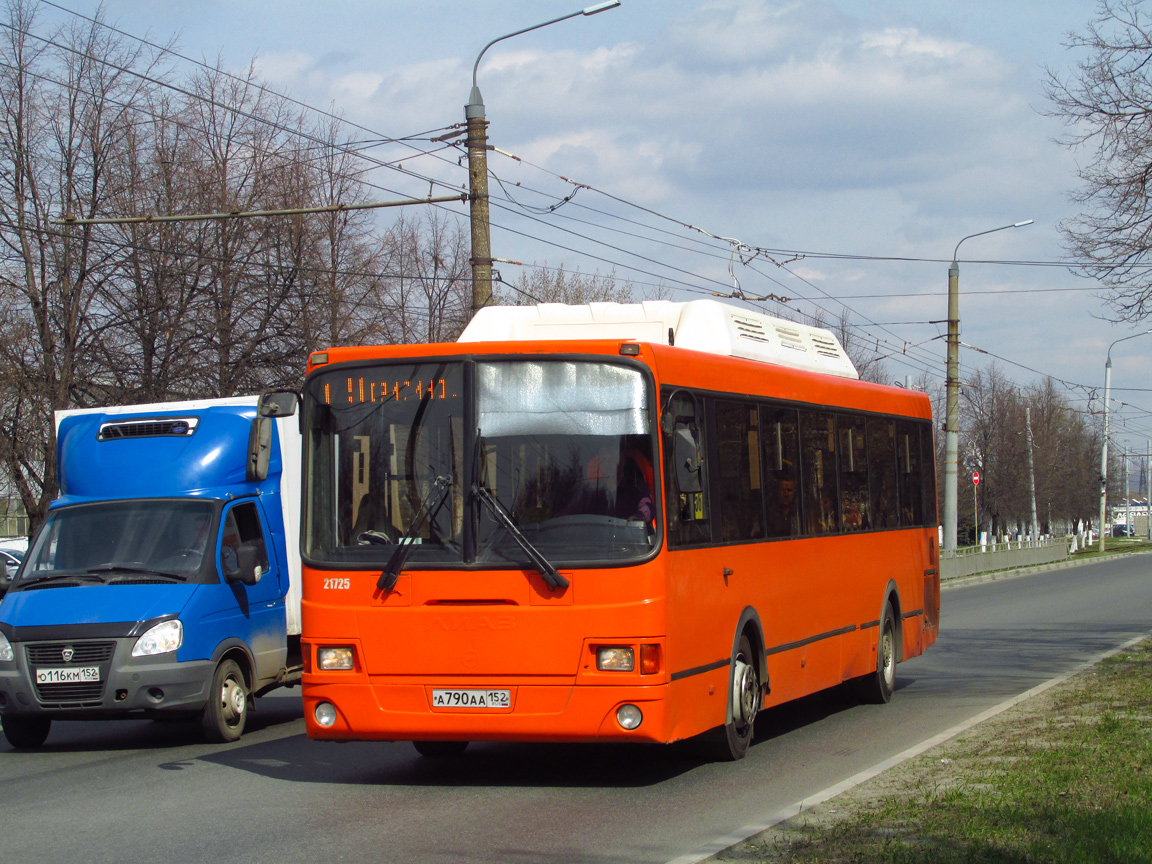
(1063,777)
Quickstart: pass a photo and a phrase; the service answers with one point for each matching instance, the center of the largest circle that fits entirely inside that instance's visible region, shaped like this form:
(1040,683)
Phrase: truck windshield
(564,447)
(122,541)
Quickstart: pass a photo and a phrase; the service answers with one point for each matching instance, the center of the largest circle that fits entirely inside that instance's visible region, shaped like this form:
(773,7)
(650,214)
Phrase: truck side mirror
(245,570)
(259,448)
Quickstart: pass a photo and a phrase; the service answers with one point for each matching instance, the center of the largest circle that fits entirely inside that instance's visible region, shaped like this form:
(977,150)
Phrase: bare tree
(1107,106)
(66,106)
(428,296)
(546,285)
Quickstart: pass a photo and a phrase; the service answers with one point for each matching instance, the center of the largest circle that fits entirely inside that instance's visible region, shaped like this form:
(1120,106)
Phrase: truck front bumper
(83,678)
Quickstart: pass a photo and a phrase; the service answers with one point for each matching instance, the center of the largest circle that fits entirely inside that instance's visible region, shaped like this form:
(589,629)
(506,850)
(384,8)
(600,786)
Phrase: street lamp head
(989,231)
(600,7)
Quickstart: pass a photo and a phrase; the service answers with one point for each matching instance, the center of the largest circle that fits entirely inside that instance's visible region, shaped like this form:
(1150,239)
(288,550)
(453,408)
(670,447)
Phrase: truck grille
(83,653)
(80,694)
(71,695)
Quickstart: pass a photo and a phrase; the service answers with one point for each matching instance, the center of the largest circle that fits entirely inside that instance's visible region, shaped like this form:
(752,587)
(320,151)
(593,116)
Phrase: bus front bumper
(535,712)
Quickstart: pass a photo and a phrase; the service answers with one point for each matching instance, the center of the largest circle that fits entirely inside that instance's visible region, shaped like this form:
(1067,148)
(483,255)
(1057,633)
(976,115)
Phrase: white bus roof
(701,325)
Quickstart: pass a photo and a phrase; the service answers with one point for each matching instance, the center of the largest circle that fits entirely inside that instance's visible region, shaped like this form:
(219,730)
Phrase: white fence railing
(1001,556)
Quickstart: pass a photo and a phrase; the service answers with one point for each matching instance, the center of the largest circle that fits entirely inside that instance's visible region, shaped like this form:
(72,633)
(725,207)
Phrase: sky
(886,129)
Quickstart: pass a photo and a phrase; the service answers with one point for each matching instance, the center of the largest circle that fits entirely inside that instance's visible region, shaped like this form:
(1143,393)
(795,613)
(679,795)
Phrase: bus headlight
(6,653)
(334,659)
(325,714)
(615,659)
(629,716)
(160,639)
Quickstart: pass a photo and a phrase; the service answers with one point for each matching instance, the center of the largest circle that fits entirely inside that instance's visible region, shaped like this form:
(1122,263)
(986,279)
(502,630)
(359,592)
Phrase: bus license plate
(69,675)
(471,698)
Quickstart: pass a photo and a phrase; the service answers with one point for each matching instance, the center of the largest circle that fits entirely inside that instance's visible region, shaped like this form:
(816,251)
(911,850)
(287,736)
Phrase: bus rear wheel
(877,687)
(729,742)
(26,733)
(440,749)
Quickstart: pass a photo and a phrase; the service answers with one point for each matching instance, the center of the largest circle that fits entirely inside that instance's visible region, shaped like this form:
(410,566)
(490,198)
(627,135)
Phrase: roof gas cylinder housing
(698,325)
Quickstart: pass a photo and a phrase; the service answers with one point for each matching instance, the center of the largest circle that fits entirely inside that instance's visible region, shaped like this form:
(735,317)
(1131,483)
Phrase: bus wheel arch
(877,686)
(747,684)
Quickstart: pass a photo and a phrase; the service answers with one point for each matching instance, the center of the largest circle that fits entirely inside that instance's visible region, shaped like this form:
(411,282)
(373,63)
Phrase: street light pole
(477,145)
(1104,448)
(952,391)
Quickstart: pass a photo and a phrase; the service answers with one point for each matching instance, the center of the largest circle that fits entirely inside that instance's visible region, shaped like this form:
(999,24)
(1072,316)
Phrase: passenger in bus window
(783,516)
(634,487)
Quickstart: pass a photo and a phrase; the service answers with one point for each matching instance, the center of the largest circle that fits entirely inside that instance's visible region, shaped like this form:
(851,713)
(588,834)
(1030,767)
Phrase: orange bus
(646,536)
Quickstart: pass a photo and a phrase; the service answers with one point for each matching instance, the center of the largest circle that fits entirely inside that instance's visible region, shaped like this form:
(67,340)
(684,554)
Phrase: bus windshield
(562,447)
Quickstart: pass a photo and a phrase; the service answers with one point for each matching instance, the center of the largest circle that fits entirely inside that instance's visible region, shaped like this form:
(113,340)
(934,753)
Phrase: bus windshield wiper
(387,580)
(551,575)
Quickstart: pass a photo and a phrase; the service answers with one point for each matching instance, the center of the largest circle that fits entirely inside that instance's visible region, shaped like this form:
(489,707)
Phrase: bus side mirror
(278,403)
(686,456)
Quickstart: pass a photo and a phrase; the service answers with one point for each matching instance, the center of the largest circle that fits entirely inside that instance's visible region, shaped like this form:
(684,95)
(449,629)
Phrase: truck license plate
(68,675)
(471,698)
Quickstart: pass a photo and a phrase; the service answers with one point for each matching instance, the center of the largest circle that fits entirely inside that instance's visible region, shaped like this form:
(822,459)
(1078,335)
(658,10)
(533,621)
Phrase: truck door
(258,613)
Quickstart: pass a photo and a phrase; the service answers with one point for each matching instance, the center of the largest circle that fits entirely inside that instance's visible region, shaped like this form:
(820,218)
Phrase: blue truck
(164,581)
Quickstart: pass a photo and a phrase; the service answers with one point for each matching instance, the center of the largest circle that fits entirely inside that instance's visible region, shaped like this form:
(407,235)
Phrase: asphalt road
(140,791)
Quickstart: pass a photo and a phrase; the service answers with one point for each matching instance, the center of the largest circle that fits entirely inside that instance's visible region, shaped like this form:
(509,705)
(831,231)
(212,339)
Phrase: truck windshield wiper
(131,568)
(135,569)
(61,577)
(391,573)
(551,575)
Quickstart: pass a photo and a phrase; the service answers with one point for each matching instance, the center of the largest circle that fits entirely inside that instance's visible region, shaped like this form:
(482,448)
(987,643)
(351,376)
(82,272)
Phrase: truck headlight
(160,639)
(7,655)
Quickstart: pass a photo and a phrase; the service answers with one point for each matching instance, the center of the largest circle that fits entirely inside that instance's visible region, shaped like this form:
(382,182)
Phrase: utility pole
(1031,470)
(952,393)
(477,144)
(1104,448)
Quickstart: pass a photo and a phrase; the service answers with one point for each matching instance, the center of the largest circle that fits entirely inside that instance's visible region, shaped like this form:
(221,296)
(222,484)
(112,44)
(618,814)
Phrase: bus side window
(882,472)
(909,468)
(818,456)
(686,473)
(782,471)
(738,467)
(854,506)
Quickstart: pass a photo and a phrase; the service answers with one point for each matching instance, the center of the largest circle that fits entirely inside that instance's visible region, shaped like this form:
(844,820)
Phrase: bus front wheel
(729,742)
(876,687)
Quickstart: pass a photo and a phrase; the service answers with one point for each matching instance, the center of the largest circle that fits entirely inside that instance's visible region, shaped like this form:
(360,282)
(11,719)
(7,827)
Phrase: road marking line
(719,844)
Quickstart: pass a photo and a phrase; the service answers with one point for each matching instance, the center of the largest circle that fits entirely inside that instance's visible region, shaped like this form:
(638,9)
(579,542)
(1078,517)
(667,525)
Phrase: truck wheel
(729,742)
(26,733)
(227,709)
(440,749)
(876,687)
